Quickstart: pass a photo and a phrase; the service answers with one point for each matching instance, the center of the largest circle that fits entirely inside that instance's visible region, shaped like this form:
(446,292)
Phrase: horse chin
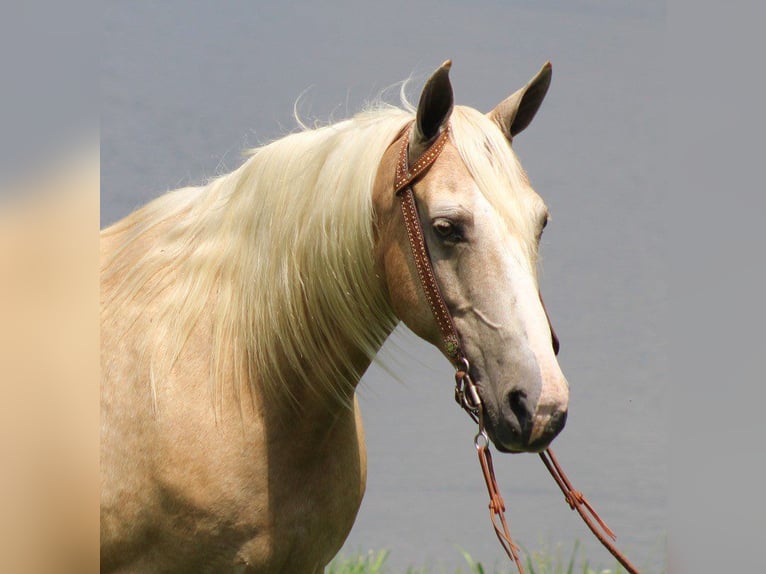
(532,448)
(509,439)
(501,448)
(510,450)
(506,437)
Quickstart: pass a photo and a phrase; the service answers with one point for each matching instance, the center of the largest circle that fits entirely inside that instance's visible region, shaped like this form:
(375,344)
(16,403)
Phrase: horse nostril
(517,399)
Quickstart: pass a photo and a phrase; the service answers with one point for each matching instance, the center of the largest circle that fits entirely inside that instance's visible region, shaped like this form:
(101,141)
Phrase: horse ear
(434,109)
(516,112)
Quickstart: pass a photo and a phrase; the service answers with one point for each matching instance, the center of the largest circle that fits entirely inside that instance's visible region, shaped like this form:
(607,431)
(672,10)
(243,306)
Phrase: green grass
(538,562)
(370,563)
(545,563)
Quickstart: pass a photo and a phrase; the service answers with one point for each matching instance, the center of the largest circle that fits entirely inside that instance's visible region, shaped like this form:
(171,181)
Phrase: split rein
(466,392)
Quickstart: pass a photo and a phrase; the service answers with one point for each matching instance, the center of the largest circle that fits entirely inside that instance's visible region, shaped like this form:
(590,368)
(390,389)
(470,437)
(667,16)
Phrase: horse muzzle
(520,428)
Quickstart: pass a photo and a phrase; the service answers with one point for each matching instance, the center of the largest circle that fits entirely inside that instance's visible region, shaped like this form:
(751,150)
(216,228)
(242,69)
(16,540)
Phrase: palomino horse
(238,317)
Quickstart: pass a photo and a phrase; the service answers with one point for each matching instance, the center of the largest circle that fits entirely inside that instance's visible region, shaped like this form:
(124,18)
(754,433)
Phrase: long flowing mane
(279,253)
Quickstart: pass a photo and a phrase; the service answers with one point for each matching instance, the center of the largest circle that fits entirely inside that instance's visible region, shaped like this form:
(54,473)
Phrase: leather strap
(578,502)
(403,181)
(497,506)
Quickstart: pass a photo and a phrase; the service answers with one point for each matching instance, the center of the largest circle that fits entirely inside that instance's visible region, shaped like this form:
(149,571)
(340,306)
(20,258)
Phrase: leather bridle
(466,392)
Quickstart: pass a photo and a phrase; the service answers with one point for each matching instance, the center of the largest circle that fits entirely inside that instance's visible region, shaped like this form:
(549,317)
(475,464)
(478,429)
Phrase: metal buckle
(481,440)
(466,394)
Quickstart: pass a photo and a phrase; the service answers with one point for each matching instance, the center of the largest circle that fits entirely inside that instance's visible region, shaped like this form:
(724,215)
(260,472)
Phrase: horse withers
(238,318)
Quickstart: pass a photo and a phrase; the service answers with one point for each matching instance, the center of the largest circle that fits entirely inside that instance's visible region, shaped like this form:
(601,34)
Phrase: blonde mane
(279,253)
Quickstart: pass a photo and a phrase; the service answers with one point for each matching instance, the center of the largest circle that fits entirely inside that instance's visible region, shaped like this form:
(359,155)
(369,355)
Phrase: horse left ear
(434,109)
(516,112)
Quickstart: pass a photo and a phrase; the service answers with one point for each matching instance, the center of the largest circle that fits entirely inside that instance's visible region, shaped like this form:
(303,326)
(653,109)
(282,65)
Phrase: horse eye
(446,230)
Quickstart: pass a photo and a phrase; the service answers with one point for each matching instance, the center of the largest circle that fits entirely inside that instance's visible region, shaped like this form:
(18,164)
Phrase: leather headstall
(403,180)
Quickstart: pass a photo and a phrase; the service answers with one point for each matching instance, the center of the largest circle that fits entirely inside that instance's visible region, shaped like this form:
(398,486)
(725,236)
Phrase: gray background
(187,85)
(711,201)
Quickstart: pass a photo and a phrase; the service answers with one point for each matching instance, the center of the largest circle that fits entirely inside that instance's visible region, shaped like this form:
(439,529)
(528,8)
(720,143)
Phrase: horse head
(482,223)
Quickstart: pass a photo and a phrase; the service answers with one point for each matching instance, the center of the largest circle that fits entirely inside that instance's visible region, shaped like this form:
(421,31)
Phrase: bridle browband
(466,391)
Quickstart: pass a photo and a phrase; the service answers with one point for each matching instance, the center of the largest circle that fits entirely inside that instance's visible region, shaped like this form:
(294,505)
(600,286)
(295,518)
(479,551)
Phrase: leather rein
(466,392)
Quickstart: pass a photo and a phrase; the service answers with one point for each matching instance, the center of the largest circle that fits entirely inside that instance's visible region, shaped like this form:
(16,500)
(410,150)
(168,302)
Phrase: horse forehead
(449,182)
(449,179)
(449,170)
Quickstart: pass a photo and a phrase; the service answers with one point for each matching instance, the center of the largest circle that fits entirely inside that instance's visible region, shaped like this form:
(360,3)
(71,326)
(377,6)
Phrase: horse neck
(273,262)
(318,311)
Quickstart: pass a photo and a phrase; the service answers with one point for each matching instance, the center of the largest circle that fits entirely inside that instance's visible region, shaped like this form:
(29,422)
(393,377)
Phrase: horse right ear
(515,113)
(434,109)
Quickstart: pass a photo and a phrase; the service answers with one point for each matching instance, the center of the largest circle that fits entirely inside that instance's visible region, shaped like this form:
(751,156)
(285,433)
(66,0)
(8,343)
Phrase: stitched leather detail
(406,176)
(403,181)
